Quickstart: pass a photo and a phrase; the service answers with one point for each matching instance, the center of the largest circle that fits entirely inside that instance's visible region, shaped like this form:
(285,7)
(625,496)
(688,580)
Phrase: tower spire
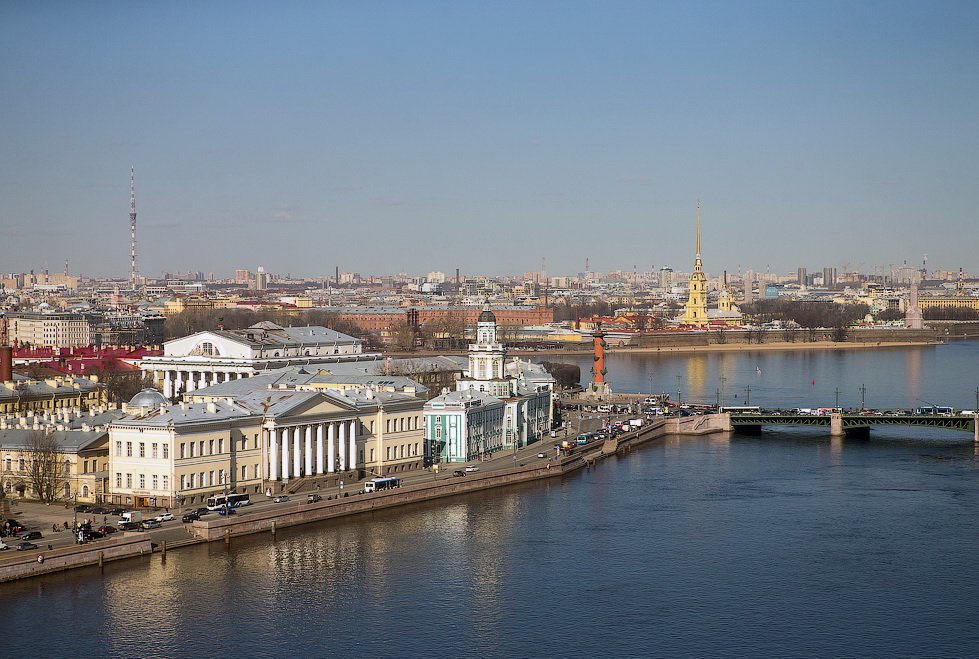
(133,276)
(698,228)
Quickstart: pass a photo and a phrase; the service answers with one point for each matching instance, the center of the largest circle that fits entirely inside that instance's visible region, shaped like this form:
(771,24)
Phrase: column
(309,450)
(178,381)
(331,449)
(343,446)
(272,438)
(167,385)
(297,451)
(319,448)
(284,437)
(352,453)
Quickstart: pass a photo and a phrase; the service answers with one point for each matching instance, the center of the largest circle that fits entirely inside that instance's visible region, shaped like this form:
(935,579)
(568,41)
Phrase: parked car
(82,508)
(280,498)
(313,498)
(107,529)
(151,524)
(164,517)
(117,511)
(31,535)
(541,455)
(190,517)
(24,546)
(200,511)
(458,472)
(92,535)
(129,526)
(472,468)
(99,511)
(3,545)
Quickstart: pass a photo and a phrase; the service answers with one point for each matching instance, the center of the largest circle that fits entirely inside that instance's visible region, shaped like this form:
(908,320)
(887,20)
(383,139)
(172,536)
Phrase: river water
(791,544)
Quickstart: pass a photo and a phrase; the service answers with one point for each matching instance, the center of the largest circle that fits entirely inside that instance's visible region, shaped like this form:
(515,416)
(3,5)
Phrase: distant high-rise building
(801,277)
(243,277)
(261,279)
(665,277)
(829,277)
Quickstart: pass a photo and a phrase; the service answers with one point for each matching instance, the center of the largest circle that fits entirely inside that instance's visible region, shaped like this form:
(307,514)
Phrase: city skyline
(385,138)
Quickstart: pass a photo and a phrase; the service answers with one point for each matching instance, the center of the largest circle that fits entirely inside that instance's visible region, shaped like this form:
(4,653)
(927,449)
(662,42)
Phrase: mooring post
(273,530)
(163,551)
(227,536)
(101,559)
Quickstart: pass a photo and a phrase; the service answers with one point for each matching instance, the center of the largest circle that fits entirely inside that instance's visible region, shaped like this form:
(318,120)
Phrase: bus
(231,501)
(939,411)
(381,484)
(740,409)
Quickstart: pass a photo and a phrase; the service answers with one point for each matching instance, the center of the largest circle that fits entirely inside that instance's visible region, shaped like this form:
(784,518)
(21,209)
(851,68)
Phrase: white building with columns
(216,356)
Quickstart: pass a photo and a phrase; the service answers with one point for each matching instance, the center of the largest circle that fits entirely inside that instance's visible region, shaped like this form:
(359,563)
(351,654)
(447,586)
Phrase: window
(207,348)
(210,478)
(118,479)
(201,452)
(118,449)
(142,449)
(388,453)
(183,452)
(221,445)
(129,449)
(153,450)
(156,482)
(129,481)
(166,482)
(372,455)
(438,432)
(20,464)
(210,448)
(142,481)
(166,452)
(244,472)
(183,481)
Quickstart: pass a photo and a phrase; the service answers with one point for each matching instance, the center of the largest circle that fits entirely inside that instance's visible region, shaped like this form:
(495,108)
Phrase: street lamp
(863,391)
(678,376)
(747,395)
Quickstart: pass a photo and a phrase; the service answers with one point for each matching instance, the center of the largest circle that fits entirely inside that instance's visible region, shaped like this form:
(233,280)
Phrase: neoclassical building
(497,405)
(213,357)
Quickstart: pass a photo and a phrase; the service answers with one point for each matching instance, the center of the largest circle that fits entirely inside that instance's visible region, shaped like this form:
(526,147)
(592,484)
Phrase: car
(200,511)
(25,546)
(458,472)
(151,524)
(190,517)
(82,508)
(32,535)
(313,498)
(164,517)
(99,511)
(227,511)
(542,455)
(92,535)
(106,530)
(117,511)
(472,468)
(3,545)
(280,498)
(129,526)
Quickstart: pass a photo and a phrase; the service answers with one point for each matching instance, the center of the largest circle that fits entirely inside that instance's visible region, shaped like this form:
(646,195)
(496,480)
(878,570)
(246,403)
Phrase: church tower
(695,312)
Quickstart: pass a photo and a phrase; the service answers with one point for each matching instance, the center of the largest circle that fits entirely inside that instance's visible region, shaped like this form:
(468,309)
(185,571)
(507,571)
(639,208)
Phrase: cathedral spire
(698,228)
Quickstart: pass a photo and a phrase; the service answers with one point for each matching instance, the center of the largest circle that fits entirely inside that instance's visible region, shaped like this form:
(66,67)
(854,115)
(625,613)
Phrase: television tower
(133,277)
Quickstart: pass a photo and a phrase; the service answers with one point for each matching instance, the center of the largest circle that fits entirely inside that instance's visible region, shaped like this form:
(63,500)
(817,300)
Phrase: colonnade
(174,381)
(310,449)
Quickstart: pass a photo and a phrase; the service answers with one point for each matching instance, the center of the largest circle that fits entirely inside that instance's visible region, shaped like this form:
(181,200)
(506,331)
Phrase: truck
(131,516)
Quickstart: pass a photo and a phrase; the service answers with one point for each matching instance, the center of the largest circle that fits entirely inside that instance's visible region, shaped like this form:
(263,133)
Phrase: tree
(121,386)
(720,336)
(47,471)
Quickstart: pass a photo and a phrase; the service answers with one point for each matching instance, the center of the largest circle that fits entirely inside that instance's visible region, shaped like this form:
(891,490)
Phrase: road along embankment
(268,521)
(19,566)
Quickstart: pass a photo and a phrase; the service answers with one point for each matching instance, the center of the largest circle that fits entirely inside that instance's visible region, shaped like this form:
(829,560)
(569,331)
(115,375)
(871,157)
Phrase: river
(791,544)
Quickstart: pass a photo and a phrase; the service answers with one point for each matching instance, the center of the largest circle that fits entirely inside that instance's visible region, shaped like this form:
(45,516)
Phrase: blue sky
(386,137)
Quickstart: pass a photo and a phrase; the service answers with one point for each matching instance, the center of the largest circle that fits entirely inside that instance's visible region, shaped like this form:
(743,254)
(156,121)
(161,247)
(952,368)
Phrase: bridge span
(852,424)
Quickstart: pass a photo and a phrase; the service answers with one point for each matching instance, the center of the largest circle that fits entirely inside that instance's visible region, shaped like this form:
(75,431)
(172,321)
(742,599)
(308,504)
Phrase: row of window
(214,478)
(161,450)
(155,480)
(400,424)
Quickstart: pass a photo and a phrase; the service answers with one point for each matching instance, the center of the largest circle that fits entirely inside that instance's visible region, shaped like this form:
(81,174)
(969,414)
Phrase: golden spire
(698,228)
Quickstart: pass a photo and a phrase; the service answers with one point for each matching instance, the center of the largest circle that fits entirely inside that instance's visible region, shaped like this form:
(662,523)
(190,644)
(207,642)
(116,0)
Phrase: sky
(415,136)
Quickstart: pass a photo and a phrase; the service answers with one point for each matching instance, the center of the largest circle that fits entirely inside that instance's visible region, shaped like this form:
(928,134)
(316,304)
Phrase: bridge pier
(836,425)
(975,427)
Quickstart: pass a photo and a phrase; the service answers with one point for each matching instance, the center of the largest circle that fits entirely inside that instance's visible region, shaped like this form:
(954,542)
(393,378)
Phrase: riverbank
(527,468)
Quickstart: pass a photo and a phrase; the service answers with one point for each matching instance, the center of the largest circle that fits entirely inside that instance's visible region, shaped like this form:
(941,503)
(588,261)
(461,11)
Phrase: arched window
(67,490)
(84,490)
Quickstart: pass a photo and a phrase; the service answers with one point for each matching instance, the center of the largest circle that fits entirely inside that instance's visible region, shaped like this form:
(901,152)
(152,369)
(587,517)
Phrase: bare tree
(47,470)
(720,336)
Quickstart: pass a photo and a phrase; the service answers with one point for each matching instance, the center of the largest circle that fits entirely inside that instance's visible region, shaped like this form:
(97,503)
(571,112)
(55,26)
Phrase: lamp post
(747,395)
(863,391)
(678,376)
(837,397)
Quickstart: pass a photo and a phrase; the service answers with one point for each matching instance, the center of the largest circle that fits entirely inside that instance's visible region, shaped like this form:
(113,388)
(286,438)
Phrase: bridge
(852,423)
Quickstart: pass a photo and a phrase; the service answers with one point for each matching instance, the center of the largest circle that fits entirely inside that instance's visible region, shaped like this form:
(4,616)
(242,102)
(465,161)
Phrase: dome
(148,398)
(486,317)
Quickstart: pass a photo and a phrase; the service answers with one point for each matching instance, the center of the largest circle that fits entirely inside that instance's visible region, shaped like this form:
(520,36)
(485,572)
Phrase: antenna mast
(133,276)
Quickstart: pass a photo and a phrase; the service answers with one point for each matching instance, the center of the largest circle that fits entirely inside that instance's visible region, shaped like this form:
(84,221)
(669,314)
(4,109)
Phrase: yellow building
(695,311)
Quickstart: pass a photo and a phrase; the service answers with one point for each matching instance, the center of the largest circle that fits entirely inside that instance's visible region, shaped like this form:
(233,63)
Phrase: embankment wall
(19,566)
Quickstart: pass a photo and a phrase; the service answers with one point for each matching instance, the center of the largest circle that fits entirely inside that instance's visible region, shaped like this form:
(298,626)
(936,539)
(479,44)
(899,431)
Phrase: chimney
(6,363)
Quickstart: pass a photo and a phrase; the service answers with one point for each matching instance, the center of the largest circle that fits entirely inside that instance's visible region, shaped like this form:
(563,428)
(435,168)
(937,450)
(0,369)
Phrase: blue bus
(380,484)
